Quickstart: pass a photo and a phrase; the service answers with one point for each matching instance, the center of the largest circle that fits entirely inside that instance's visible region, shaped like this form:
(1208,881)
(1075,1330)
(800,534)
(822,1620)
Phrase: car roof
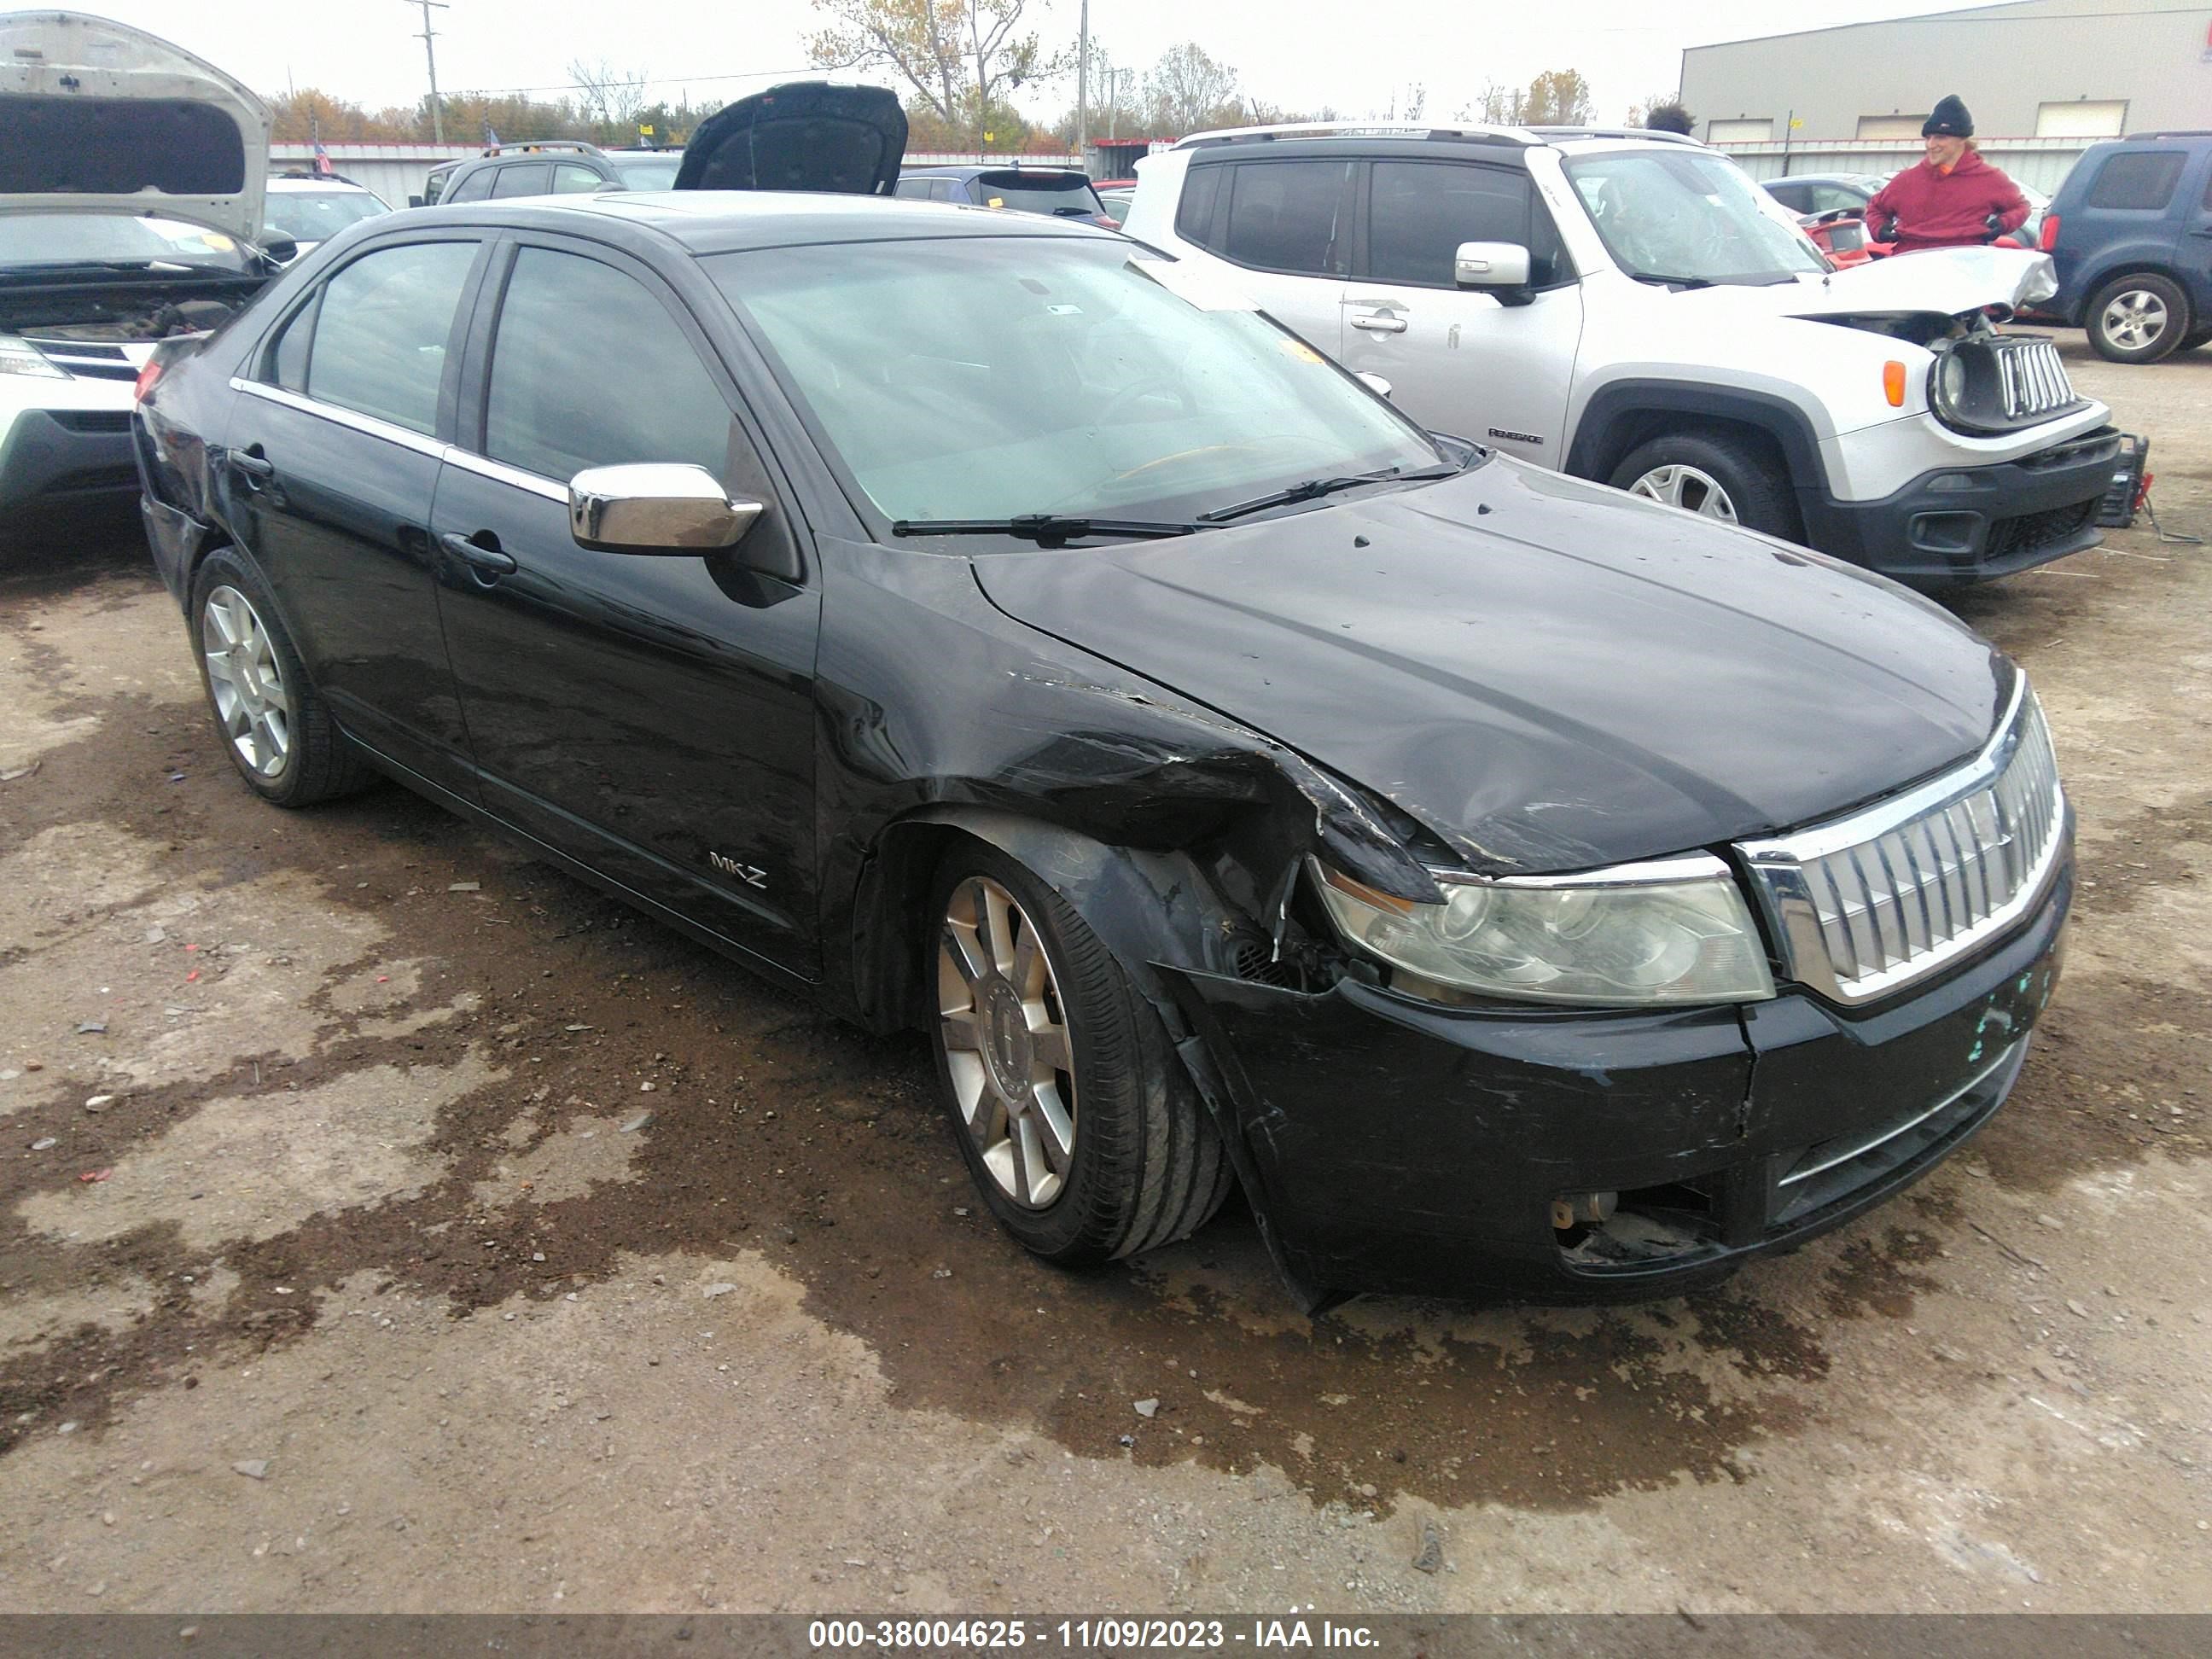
(971,169)
(730,221)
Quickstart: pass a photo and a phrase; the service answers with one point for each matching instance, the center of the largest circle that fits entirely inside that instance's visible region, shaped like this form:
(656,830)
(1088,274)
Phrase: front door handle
(1380,323)
(485,560)
(256,468)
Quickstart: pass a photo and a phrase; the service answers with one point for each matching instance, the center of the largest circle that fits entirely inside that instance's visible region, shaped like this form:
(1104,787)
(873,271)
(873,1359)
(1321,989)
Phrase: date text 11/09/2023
(1082,1635)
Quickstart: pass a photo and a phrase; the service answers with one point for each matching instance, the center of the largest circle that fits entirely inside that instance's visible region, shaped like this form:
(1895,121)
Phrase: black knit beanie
(1950,119)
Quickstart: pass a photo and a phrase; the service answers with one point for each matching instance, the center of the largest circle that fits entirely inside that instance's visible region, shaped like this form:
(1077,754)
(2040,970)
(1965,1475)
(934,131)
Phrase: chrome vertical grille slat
(1866,904)
(2031,377)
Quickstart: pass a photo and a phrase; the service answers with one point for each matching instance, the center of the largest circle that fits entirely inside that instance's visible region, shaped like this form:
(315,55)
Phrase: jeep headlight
(1673,931)
(22,357)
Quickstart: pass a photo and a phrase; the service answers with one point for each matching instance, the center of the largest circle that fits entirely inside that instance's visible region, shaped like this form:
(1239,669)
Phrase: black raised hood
(804,135)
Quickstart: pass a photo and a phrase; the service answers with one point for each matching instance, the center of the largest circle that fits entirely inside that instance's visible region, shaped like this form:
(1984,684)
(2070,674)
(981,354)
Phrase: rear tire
(1715,475)
(1078,1124)
(2140,317)
(275,727)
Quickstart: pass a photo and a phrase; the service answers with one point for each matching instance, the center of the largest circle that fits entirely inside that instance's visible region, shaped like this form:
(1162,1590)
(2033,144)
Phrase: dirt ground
(387,1222)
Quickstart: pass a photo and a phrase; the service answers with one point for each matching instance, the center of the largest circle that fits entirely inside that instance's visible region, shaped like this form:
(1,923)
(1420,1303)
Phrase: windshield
(649,172)
(987,377)
(316,215)
(68,239)
(1693,217)
(1067,193)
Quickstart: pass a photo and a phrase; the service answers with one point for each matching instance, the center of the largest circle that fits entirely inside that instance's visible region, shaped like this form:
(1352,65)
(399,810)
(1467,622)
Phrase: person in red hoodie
(1954,198)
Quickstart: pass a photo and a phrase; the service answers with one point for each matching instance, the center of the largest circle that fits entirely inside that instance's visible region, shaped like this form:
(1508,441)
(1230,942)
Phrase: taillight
(147,376)
(2049,239)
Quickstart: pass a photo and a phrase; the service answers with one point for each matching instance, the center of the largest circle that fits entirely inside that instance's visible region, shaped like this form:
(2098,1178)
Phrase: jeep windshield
(1058,379)
(1687,220)
(46,243)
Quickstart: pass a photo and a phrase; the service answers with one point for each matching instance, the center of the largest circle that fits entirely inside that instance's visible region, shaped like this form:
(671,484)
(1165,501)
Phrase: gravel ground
(387,1222)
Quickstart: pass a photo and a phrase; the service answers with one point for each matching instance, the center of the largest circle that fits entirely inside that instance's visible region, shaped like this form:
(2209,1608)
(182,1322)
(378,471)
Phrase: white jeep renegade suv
(1627,307)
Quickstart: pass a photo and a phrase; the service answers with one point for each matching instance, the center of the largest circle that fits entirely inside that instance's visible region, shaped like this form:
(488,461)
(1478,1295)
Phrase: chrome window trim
(484,467)
(404,436)
(1779,881)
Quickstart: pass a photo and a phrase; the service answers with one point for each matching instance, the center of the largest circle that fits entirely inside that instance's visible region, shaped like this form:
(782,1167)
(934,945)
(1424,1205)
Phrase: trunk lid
(98,117)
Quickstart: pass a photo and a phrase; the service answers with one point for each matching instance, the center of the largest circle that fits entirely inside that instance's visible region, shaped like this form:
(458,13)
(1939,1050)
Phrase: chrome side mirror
(654,507)
(1491,265)
(1374,383)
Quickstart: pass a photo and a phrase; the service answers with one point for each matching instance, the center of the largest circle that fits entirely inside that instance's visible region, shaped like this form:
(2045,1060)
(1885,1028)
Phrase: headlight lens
(1949,374)
(22,357)
(1666,933)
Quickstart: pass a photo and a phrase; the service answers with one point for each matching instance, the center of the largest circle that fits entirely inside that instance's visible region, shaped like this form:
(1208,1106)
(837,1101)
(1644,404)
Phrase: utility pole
(431,52)
(1083,90)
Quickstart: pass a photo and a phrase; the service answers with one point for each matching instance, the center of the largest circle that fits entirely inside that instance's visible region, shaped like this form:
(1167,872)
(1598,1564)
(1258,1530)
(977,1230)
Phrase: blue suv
(2130,231)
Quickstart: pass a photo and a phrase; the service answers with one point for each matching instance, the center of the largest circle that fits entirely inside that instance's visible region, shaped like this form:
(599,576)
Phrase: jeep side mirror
(1499,268)
(655,508)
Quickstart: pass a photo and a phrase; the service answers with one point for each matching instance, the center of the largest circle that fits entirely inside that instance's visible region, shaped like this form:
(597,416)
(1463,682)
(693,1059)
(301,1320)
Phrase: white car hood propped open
(97,117)
(1951,281)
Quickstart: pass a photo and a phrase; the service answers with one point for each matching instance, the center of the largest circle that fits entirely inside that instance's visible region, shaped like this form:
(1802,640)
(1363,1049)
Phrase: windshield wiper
(1671,282)
(1312,489)
(1046,529)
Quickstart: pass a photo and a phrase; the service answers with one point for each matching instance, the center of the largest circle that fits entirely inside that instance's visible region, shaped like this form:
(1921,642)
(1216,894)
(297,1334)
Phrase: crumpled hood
(1947,282)
(1547,674)
(97,117)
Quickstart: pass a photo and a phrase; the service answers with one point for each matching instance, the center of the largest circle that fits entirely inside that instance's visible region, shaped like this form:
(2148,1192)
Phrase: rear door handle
(1380,323)
(484,561)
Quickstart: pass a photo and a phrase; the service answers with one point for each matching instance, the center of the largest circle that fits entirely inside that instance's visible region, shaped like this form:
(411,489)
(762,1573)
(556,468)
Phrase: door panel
(1459,360)
(337,498)
(649,713)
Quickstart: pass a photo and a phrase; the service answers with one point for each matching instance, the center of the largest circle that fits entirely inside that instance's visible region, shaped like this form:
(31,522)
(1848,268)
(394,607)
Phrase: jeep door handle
(1381,324)
(484,561)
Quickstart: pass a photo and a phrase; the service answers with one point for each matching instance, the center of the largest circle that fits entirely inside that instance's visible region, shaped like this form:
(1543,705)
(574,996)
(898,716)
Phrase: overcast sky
(1354,58)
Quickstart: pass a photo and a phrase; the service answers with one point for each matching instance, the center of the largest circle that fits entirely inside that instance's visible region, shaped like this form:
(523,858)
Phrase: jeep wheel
(1715,476)
(1084,1134)
(2138,319)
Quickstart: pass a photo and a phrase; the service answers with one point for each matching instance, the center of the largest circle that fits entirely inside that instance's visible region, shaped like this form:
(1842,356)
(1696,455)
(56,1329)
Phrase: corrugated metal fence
(2040,163)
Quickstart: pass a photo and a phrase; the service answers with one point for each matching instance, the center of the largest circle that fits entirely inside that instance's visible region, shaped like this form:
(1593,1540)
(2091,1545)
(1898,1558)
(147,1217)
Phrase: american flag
(322,155)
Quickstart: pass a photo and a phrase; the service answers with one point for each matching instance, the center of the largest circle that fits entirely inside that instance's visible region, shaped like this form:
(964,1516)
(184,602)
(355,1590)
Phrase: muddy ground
(387,1222)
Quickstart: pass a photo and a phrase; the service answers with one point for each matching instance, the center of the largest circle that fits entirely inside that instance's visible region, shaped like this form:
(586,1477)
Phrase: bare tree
(608,98)
(1496,106)
(960,58)
(1188,91)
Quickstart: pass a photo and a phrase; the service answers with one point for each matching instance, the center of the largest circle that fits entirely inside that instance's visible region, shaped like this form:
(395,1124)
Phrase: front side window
(1289,215)
(381,332)
(1689,218)
(1419,212)
(986,377)
(589,369)
(473,187)
(2142,181)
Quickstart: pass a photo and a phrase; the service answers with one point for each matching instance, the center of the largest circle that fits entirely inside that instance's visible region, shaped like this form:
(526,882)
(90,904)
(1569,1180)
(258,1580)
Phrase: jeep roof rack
(1357,130)
(1618,132)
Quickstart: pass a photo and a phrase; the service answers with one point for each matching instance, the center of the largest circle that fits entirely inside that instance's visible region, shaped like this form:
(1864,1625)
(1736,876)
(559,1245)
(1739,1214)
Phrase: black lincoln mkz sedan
(989,625)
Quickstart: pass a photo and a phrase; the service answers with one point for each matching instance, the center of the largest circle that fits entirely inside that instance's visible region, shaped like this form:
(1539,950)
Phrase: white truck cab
(1629,307)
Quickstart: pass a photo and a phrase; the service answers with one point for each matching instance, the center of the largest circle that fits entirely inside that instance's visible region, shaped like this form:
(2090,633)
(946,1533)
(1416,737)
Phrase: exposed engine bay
(133,311)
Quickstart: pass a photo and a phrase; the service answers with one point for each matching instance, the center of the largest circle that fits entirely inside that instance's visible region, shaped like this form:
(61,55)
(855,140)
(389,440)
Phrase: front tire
(275,727)
(1716,476)
(2138,319)
(1078,1124)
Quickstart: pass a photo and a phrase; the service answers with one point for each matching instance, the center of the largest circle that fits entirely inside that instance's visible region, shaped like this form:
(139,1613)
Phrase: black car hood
(803,135)
(1548,675)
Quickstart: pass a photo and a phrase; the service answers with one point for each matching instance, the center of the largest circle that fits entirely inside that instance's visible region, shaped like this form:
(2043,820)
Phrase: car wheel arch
(1620,416)
(2156,261)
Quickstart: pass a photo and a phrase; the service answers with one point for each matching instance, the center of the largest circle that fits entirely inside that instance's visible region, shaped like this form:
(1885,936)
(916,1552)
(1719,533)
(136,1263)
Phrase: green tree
(961,59)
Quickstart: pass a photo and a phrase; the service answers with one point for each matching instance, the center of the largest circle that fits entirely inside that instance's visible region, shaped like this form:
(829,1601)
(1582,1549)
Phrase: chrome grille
(2031,375)
(1866,904)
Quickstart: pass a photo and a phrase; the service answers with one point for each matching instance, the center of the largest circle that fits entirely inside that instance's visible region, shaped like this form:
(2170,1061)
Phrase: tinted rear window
(2137,178)
(1037,192)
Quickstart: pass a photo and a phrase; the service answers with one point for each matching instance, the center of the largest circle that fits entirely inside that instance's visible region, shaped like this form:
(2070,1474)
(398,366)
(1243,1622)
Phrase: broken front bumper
(1397,1146)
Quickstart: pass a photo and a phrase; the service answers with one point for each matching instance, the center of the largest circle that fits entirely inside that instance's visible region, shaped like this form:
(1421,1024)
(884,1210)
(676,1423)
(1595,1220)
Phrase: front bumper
(1961,524)
(61,456)
(1399,1145)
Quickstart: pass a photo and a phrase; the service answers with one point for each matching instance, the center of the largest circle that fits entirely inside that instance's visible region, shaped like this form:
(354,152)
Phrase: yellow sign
(645,129)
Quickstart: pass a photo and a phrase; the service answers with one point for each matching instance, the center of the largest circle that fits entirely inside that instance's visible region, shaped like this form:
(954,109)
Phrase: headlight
(1668,933)
(1947,376)
(22,357)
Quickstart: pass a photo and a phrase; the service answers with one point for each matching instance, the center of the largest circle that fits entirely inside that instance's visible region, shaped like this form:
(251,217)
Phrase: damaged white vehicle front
(131,181)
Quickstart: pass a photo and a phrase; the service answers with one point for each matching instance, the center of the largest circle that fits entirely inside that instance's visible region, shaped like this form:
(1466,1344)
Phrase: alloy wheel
(2134,321)
(251,698)
(1688,488)
(1006,1047)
